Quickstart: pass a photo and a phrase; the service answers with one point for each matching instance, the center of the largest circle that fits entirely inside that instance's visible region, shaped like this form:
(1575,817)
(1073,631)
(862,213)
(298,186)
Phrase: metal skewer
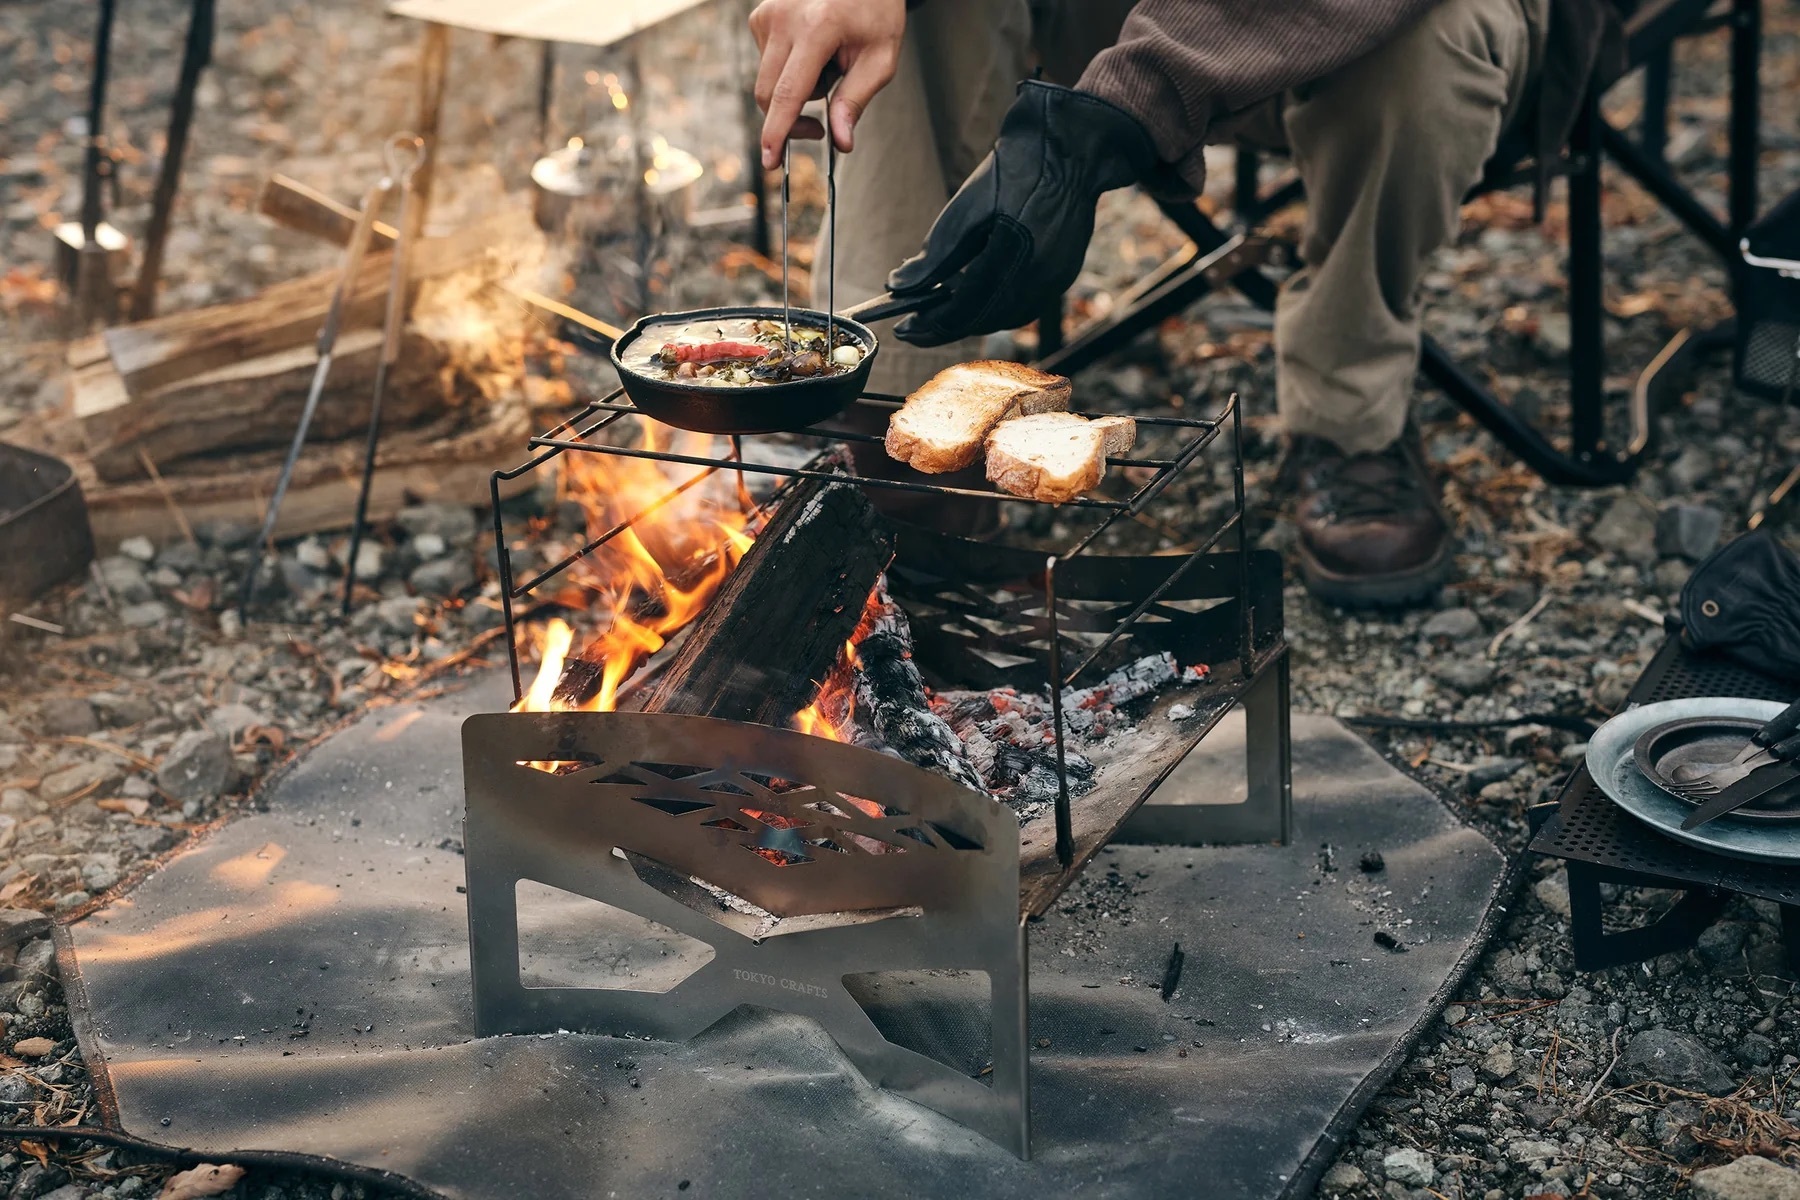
(328,335)
(404,155)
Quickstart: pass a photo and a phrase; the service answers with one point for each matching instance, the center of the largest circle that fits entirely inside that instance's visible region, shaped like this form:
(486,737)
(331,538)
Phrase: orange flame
(652,578)
(657,575)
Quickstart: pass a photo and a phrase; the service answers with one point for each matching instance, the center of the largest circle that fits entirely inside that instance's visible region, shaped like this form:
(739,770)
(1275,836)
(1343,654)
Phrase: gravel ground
(159,709)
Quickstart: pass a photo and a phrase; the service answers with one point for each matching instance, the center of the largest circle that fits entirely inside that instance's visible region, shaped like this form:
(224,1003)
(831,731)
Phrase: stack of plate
(1633,755)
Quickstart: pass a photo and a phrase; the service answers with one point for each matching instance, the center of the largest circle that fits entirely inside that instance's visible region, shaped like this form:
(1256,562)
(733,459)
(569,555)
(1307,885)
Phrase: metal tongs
(398,163)
(787,312)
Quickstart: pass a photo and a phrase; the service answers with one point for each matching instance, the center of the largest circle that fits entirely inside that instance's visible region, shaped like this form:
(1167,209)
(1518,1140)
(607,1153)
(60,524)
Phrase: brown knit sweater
(1179,65)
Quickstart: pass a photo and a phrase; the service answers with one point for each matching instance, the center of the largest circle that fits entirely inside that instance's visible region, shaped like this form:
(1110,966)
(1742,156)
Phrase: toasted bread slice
(942,425)
(1055,456)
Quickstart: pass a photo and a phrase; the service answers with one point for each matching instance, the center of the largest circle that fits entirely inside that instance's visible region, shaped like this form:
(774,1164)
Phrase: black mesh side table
(1603,844)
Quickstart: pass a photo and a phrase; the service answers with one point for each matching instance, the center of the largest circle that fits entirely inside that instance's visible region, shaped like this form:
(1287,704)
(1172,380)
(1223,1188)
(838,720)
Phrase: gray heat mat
(298,983)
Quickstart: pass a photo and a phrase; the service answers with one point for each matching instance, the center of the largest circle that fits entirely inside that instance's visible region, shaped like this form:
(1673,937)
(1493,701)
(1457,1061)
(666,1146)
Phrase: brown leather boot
(1372,531)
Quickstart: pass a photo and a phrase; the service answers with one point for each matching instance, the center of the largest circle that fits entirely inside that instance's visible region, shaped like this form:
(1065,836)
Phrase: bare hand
(799,41)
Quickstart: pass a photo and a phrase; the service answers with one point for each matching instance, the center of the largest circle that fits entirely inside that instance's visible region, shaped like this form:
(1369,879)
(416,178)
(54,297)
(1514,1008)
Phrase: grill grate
(1590,828)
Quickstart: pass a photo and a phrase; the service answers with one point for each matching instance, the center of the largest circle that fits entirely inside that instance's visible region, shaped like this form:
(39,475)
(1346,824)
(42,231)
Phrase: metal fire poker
(1065,825)
(328,335)
(404,155)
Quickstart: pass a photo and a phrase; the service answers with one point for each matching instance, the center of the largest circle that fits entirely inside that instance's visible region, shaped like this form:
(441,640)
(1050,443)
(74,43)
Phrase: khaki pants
(1387,147)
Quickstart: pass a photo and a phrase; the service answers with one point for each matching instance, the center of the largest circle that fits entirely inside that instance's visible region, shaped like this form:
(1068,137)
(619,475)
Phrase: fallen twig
(136,760)
(1531,613)
(1639,608)
(1604,1076)
(34,623)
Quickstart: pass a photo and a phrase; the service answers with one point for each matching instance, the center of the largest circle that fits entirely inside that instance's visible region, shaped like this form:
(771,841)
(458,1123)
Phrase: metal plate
(1705,742)
(1609,760)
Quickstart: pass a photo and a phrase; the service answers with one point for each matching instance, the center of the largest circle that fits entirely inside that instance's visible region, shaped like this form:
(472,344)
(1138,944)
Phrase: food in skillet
(741,352)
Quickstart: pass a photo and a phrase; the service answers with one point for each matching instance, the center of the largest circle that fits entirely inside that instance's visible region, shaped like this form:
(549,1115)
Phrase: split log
(256,404)
(291,203)
(781,618)
(153,354)
(448,461)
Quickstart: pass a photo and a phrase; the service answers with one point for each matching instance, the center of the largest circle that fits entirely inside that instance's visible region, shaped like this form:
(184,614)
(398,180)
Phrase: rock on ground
(197,766)
(1677,1059)
(1748,1178)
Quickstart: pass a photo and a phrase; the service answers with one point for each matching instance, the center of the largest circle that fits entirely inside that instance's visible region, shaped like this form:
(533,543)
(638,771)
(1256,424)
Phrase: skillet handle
(887,305)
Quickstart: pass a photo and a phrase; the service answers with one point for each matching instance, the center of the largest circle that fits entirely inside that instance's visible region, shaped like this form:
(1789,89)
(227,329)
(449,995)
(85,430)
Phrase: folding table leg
(1678,929)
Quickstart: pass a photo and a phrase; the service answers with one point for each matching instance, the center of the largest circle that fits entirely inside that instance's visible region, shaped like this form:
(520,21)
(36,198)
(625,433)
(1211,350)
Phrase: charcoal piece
(1172,972)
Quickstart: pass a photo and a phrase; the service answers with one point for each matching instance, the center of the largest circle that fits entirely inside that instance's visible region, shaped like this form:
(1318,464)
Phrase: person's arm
(799,40)
(1179,65)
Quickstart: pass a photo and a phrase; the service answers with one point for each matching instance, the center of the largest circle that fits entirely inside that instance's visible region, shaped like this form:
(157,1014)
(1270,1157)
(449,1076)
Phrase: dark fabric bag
(1744,603)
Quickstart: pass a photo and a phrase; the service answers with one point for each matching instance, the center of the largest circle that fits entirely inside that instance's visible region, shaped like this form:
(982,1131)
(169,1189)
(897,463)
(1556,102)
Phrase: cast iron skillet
(767,407)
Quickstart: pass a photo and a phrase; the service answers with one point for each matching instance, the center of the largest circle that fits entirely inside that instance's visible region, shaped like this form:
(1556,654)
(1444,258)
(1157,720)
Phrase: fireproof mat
(298,984)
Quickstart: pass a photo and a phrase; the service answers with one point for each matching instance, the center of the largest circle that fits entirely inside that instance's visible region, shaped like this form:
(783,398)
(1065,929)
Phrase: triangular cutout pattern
(675,808)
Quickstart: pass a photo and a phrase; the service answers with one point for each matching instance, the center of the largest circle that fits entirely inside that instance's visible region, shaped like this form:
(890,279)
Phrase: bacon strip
(709,352)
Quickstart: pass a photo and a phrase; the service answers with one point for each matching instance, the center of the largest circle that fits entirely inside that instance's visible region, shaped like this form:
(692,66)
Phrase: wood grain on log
(782,616)
(256,404)
(154,354)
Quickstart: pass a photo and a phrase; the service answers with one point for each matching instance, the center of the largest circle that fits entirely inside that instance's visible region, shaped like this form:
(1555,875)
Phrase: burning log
(891,702)
(584,677)
(782,617)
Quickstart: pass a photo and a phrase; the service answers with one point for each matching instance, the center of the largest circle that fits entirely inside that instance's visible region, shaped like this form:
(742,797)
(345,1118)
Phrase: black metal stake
(194,59)
(96,163)
(92,285)
(1065,832)
(745,504)
(1746,53)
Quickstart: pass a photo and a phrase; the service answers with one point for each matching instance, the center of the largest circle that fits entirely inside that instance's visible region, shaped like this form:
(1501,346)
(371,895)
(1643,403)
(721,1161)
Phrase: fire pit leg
(1267,814)
(1268,754)
(890,871)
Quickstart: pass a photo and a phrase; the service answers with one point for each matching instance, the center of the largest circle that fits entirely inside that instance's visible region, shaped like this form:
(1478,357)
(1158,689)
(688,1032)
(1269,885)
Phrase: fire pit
(813,866)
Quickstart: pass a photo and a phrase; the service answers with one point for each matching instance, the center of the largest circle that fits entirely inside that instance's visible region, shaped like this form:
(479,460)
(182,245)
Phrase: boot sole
(1399,589)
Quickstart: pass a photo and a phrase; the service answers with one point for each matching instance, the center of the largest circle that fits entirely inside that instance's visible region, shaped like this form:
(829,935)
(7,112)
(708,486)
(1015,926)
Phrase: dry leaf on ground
(203,1180)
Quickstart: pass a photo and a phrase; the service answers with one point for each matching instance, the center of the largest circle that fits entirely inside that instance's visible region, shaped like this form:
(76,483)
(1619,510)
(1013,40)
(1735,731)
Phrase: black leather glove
(1016,232)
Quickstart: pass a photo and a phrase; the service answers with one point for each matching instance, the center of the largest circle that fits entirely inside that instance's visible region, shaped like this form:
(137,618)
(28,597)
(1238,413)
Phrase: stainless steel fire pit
(807,867)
